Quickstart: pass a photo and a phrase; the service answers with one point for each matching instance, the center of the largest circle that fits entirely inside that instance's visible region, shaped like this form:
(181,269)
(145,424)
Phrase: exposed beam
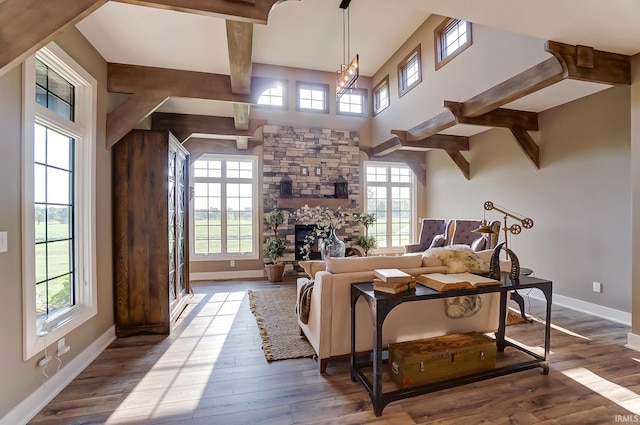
(242,143)
(130,112)
(587,64)
(437,141)
(184,126)
(28,25)
(430,127)
(256,11)
(533,79)
(198,147)
(461,162)
(528,145)
(497,118)
(385,148)
(199,85)
(239,42)
(241,115)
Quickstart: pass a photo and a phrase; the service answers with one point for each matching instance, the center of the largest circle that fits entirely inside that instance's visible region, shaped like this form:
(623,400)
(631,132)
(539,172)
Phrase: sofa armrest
(413,247)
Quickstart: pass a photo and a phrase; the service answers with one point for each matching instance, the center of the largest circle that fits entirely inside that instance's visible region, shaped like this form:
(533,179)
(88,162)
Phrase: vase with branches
(325,222)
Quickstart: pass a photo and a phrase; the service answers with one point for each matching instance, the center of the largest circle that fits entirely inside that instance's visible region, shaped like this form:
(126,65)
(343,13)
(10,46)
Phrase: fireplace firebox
(301,232)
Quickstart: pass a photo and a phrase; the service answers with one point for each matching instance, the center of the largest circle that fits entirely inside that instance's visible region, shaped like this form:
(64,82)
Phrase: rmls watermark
(627,418)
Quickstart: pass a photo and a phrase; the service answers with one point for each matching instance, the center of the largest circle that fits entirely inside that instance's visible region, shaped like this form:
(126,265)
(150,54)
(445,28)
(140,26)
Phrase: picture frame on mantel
(304,171)
(318,171)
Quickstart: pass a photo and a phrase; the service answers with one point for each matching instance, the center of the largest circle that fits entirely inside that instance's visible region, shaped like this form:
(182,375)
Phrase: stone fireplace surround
(286,150)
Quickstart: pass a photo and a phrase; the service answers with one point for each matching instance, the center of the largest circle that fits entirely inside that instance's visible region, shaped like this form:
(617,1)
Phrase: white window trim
(414,193)
(38,335)
(256,222)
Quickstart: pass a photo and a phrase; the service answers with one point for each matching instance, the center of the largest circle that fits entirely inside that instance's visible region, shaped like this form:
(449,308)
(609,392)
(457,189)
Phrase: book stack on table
(392,281)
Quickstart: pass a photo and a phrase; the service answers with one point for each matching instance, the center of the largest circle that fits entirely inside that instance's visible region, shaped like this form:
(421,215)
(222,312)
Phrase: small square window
(274,96)
(381,95)
(312,97)
(353,102)
(409,72)
(452,37)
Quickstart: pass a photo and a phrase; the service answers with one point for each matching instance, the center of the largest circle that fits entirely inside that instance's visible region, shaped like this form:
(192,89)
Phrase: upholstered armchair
(434,233)
(463,234)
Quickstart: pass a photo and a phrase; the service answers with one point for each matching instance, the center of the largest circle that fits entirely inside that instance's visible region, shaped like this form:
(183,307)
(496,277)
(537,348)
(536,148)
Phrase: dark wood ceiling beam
(252,11)
(587,64)
(386,147)
(500,117)
(28,25)
(130,112)
(528,145)
(183,126)
(123,78)
(533,79)
(461,162)
(440,122)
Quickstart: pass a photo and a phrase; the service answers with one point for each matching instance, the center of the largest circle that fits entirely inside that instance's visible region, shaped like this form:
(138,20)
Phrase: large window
(58,197)
(381,95)
(390,192)
(409,72)
(224,222)
(453,36)
(312,97)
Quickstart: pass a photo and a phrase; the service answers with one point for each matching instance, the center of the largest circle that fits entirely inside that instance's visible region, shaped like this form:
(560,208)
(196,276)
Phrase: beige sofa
(328,326)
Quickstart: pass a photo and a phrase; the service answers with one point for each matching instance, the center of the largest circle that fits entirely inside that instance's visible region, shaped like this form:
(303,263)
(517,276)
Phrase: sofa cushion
(362,264)
(311,267)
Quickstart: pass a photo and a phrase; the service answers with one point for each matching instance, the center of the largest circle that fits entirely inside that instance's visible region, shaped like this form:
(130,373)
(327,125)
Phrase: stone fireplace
(314,159)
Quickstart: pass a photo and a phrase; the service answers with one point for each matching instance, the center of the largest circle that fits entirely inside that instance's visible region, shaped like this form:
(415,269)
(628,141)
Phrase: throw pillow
(438,241)
(479,244)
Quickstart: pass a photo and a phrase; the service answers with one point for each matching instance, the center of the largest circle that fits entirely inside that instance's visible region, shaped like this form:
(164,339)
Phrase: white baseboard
(240,274)
(36,401)
(633,341)
(608,313)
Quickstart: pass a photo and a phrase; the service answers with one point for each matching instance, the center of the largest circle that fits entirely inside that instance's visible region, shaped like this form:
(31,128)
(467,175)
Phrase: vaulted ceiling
(195,35)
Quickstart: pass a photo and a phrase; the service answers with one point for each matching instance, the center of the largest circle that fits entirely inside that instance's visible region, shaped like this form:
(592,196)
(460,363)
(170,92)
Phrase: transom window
(353,102)
(225,206)
(312,97)
(453,36)
(273,96)
(381,96)
(409,72)
(58,197)
(390,192)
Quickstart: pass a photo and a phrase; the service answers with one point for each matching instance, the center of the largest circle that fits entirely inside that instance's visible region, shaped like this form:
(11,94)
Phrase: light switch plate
(3,241)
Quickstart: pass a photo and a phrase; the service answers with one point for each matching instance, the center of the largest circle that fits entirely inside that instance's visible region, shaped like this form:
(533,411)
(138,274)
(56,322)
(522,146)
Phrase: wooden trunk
(430,360)
(150,232)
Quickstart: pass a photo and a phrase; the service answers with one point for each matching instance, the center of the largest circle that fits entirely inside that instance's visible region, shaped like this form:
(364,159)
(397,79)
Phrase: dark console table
(381,304)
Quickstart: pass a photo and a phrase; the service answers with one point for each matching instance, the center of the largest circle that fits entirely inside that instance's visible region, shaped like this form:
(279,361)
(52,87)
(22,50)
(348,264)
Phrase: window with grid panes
(312,97)
(224,221)
(59,197)
(381,95)
(409,72)
(273,97)
(453,36)
(390,192)
(353,102)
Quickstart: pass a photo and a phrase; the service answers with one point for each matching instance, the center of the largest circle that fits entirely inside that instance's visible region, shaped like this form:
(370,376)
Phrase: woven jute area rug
(276,316)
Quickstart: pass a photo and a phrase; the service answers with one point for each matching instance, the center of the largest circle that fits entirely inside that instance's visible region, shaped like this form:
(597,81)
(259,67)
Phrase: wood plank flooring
(211,370)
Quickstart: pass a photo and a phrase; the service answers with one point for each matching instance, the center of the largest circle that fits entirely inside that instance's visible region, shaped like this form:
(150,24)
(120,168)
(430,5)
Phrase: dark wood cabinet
(150,201)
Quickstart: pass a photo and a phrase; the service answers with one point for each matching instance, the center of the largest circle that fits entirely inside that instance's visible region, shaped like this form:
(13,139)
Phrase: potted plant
(274,247)
(365,241)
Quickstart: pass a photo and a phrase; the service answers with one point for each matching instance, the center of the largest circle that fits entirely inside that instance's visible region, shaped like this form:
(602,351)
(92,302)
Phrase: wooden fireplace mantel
(313,202)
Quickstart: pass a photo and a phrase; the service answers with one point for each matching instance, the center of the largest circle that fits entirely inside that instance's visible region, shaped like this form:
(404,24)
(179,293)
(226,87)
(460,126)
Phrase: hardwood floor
(212,370)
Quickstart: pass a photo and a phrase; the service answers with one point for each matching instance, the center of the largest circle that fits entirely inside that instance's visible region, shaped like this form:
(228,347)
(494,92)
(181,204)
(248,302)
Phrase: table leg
(502,322)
